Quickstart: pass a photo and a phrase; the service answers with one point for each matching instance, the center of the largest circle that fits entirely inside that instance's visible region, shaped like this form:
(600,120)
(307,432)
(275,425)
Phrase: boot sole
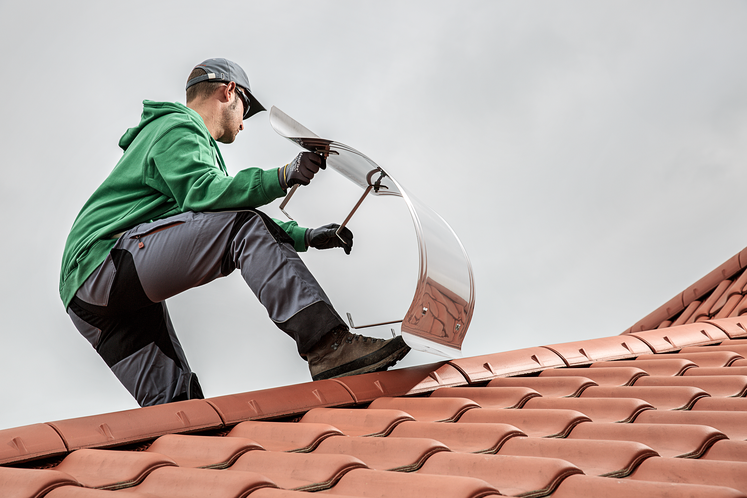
(373,362)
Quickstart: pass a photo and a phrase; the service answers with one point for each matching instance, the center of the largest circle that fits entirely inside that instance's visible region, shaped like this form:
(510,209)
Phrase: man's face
(232,120)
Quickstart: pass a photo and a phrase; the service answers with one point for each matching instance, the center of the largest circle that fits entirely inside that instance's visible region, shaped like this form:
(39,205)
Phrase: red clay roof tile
(549,387)
(78,492)
(598,410)
(384,453)
(704,359)
(297,471)
(110,469)
(535,423)
(461,437)
(511,475)
(284,493)
(280,402)
(202,451)
(30,442)
(168,482)
(519,362)
(685,470)
(722,385)
(729,450)
(281,436)
(382,484)
(735,326)
(730,423)
(740,349)
(713,303)
(703,371)
(741,307)
(677,337)
(490,397)
(670,440)
(603,458)
(32,483)
(367,387)
(137,425)
(688,314)
(435,409)
(664,365)
(358,422)
(670,398)
(582,486)
(605,348)
(614,374)
(721,404)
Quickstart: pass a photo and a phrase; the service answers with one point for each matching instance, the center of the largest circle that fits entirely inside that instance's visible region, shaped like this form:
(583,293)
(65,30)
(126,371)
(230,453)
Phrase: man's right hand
(301,170)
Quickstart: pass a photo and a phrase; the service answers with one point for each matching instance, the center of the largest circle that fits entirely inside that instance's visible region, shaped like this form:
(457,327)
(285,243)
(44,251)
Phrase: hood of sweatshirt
(152,111)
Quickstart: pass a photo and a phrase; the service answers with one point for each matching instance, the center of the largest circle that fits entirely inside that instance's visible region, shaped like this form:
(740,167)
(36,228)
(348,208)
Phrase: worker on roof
(169,217)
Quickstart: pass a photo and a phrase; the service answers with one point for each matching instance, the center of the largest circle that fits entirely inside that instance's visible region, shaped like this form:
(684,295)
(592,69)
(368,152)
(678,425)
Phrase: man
(169,218)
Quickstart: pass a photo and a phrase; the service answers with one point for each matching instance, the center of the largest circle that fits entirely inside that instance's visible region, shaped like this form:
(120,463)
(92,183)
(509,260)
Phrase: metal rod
(355,208)
(287,198)
(352,325)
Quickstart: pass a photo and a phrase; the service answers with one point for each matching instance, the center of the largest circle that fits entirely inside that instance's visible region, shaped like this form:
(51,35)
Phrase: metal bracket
(352,325)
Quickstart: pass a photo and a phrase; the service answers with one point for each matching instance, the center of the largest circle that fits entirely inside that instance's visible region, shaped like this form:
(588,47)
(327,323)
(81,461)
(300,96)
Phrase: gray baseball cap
(226,71)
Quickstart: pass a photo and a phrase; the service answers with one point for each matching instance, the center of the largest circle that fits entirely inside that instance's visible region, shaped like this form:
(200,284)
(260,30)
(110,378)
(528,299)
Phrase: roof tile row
(581,419)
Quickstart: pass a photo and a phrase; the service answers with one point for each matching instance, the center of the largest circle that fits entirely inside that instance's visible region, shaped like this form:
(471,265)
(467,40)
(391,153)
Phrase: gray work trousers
(121,307)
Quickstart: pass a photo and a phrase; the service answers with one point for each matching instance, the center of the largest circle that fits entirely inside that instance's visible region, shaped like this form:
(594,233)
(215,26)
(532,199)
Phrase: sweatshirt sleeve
(182,164)
(297,233)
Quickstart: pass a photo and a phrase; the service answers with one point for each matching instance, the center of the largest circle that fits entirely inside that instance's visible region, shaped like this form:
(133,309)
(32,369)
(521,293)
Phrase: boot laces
(350,337)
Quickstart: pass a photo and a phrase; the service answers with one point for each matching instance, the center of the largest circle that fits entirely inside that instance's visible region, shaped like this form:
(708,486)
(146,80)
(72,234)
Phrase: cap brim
(254,106)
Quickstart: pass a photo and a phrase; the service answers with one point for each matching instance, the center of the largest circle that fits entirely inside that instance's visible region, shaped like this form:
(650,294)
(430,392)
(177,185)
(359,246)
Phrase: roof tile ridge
(694,292)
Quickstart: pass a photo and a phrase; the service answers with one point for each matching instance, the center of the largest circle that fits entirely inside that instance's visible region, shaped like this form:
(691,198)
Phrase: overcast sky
(590,155)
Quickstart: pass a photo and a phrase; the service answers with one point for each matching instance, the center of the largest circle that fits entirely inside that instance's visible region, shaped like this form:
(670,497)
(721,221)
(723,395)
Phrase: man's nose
(241,126)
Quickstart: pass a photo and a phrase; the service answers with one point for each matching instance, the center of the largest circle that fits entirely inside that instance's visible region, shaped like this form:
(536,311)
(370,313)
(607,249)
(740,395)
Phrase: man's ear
(226,90)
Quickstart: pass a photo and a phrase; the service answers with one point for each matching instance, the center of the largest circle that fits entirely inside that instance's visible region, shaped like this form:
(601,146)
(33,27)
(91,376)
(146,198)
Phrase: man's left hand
(325,237)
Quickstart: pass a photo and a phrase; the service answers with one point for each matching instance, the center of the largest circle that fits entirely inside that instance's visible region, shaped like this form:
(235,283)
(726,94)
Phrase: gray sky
(590,155)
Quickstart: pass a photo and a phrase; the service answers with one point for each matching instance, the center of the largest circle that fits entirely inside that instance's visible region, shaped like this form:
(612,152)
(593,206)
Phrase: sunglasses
(244,100)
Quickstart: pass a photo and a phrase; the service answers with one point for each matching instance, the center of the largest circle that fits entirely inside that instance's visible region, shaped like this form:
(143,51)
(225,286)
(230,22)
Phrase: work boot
(340,353)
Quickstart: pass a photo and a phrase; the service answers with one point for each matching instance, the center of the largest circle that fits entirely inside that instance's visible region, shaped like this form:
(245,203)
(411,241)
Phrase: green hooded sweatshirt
(170,165)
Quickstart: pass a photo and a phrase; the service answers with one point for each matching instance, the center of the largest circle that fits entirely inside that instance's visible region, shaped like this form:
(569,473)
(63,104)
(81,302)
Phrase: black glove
(326,237)
(301,170)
